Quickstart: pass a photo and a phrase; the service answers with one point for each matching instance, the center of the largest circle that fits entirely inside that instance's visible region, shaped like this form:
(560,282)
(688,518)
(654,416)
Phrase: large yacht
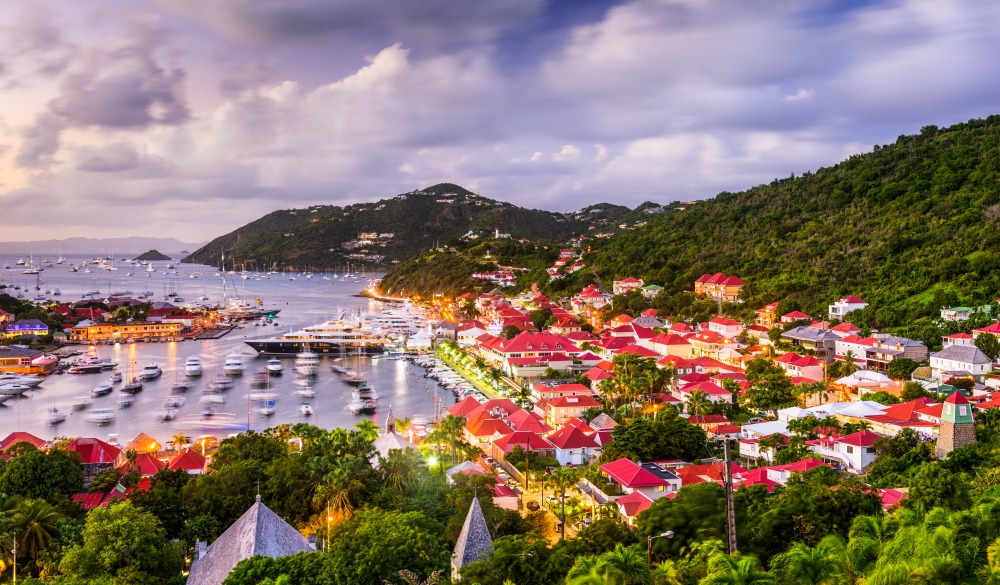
(233,365)
(332,337)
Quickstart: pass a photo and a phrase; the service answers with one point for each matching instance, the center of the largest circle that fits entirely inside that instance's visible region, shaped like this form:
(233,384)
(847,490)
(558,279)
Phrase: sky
(189,118)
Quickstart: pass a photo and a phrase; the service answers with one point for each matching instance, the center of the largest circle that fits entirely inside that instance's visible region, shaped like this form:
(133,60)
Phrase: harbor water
(302,300)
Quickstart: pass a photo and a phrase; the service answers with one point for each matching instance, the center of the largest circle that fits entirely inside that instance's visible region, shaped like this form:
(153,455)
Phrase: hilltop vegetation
(909,227)
(329,236)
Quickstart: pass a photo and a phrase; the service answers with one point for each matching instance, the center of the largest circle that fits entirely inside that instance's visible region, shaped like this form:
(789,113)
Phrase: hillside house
(845,305)
(719,287)
(622,287)
(960,361)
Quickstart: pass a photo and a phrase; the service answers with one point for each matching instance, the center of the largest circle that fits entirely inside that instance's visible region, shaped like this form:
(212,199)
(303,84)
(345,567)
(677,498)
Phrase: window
(870,450)
(850,449)
(660,488)
(961,410)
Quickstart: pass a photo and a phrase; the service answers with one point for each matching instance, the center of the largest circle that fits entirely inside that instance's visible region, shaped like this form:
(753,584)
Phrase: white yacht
(307,362)
(233,365)
(101,416)
(54,417)
(192,367)
(150,371)
(332,337)
(29,381)
(274,366)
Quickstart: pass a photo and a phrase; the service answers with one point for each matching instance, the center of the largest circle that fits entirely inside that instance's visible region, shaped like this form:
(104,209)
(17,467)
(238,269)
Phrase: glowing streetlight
(649,545)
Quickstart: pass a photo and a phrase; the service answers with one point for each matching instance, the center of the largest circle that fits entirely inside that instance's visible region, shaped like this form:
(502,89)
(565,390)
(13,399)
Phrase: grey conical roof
(259,531)
(474,542)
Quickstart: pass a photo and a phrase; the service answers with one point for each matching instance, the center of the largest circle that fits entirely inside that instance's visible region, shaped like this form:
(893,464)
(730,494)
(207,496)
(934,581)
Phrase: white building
(960,361)
(842,307)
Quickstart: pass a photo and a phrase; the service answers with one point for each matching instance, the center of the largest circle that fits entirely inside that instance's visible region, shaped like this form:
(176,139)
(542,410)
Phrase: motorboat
(29,381)
(274,366)
(306,392)
(180,386)
(116,377)
(221,382)
(85,369)
(133,387)
(362,406)
(213,399)
(192,367)
(101,416)
(54,417)
(307,363)
(82,402)
(125,400)
(102,390)
(173,402)
(306,409)
(233,365)
(14,389)
(150,371)
(166,414)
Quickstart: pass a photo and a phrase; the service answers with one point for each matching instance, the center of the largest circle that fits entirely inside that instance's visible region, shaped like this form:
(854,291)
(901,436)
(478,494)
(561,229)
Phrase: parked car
(533,506)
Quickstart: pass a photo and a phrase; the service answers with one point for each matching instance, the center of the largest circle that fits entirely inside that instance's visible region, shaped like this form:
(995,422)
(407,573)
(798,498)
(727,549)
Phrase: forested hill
(909,227)
(323,236)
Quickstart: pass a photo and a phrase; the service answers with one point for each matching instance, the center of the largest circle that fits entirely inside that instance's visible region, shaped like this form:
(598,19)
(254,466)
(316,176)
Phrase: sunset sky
(188,118)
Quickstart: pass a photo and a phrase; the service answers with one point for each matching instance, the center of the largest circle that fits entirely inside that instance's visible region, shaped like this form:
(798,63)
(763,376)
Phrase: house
(779,474)
(963,313)
(897,417)
(96,456)
(19,360)
(767,315)
(550,391)
(651,290)
(26,327)
(854,452)
(713,392)
(113,332)
(875,353)
(648,478)
(710,344)
(191,462)
(725,327)
(258,532)
(719,287)
(821,343)
(572,445)
(992,329)
(845,305)
(526,440)
(801,366)
(957,339)
(622,287)
(20,437)
(5,318)
(563,408)
(670,344)
(630,506)
(960,361)
(844,329)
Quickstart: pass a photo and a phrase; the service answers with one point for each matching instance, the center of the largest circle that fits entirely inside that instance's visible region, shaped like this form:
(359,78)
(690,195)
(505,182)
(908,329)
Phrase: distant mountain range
(118,246)
(399,228)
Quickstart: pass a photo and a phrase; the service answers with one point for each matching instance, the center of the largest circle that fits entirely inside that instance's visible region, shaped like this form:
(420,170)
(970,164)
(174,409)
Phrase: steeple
(474,542)
(390,422)
(957,426)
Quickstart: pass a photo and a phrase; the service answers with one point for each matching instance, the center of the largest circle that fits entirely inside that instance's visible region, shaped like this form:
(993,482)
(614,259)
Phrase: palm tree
(450,430)
(698,402)
(178,441)
(36,523)
(367,429)
(340,490)
(724,569)
(561,480)
(592,577)
(826,564)
(626,565)
(848,367)
(666,573)
(411,578)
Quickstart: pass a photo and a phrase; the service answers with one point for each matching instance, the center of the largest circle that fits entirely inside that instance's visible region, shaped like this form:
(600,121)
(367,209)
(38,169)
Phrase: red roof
(708,388)
(845,327)
(634,504)
(630,475)
(956,398)
(725,429)
(958,336)
(88,501)
(502,491)
(572,401)
(796,316)
(463,408)
(187,460)
(638,350)
(860,439)
(704,419)
(20,437)
(596,374)
(571,437)
(851,299)
(756,476)
(800,466)
(725,322)
(669,339)
(147,465)
(526,440)
(92,451)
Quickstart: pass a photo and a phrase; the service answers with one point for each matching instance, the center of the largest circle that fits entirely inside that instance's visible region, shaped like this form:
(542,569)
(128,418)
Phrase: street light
(649,545)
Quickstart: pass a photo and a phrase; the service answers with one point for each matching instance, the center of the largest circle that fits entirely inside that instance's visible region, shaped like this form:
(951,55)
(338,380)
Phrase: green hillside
(322,237)
(910,227)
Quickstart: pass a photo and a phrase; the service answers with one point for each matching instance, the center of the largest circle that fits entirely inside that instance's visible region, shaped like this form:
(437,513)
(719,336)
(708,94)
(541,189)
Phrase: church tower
(957,427)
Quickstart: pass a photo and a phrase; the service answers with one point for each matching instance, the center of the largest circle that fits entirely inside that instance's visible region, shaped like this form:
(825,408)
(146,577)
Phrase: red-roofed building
(596,374)
(845,305)
(754,477)
(670,344)
(681,366)
(526,345)
(853,452)
(801,366)
(707,421)
(464,407)
(526,420)
(844,329)
(190,461)
(96,456)
(573,446)
(713,392)
(639,351)
(708,472)
(767,315)
(710,344)
(719,287)
(21,437)
(725,326)
(549,391)
(897,417)
(632,505)
(957,339)
(724,430)
(560,409)
(893,498)
(780,473)
(650,479)
(621,287)
(795,316)
(526,440)
(88,501)
(147,465)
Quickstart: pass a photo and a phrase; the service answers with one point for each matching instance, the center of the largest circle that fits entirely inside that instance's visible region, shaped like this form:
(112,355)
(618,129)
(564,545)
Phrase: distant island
(152,255)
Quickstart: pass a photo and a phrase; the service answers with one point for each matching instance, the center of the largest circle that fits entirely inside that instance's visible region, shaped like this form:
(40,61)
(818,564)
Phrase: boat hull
(294,347)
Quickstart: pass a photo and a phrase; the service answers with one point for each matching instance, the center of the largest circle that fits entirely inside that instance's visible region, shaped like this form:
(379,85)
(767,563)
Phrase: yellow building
(114,332)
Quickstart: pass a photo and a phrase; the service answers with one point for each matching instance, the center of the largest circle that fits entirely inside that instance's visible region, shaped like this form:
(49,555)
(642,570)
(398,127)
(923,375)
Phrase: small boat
(29,381)
(192,367)
(173,402)
(213,399)
(266,408)
(338,368)
(306,392)
(274,366)
(116,377)
(166,414)
(150,371)
(102,390)
(233,365)
(14,389)
(133,387)
(82,402)
(101,416)
(85,369)
(221,382)
(180,386)
(307,363)
(306,409)
(54,417)
(362,406)
(125,400)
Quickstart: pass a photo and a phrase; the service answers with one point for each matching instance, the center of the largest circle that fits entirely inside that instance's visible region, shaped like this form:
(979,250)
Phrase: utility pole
(730,509)
(15,557)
